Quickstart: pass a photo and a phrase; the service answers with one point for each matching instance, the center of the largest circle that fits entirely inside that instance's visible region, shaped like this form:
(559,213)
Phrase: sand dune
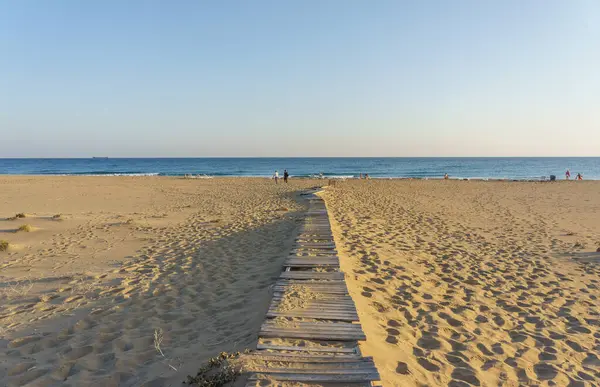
(474,283)
(132,263)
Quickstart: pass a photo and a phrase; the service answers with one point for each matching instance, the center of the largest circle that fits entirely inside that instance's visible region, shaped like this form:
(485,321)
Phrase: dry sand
(83,295)
(467,283)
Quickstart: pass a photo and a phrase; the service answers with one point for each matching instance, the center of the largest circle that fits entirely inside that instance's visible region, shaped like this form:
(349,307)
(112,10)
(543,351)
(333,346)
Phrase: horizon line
(283,157)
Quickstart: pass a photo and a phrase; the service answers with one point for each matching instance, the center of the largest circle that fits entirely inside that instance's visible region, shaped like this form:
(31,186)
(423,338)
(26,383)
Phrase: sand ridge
(467,283)
(173,272)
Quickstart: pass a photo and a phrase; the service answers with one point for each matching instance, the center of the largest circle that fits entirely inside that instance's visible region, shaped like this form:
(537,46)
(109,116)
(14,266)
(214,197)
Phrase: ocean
(519,168)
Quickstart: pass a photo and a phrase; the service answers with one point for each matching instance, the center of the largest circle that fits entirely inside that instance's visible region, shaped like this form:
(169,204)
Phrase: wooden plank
(330,310)
(327,287)
(334,291)
(310,335)
(307,358)
(324,302)
(321,378)
(328,252)
(349,316)
(319,325)
(313,259)
(323,309)
(326,369)
(325,331)
(326,291)
(258,383)
(311,263)
(323,284)
(305,349)
(343,308)
(304,247)
(340,293)
(308,265)
(312,275)
(316,244)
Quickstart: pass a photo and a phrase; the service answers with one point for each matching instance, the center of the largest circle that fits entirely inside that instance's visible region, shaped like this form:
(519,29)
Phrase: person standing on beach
(567,175)
(285,175)
(276,177)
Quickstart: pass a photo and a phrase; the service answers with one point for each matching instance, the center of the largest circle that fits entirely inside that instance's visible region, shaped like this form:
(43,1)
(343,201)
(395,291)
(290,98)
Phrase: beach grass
(25,228)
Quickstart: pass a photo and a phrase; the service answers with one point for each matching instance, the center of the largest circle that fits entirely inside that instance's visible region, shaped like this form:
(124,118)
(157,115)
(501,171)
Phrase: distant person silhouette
(567,175)
(276,176)
(285,175)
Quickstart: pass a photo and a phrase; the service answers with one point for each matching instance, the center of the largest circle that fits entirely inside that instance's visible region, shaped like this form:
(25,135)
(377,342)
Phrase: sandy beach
(459,283)
(474,283)
(103,264)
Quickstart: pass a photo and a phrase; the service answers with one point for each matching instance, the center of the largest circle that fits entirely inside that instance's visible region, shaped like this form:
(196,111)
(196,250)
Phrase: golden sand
(132,280)
(472,283)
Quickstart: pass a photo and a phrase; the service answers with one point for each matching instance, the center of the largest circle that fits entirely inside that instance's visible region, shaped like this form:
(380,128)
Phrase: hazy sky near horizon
(299,78)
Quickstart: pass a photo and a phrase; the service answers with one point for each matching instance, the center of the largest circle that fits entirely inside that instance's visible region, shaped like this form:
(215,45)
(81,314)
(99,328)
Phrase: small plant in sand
(25,228)
(218,371)
(4,245)
(579,245)
(57,217)
(158,339)
(19,288)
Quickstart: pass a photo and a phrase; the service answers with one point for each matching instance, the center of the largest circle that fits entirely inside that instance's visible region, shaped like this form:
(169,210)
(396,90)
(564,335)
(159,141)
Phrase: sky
(299,78)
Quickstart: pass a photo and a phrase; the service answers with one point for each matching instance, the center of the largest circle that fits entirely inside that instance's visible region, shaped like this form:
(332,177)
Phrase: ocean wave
(111,174)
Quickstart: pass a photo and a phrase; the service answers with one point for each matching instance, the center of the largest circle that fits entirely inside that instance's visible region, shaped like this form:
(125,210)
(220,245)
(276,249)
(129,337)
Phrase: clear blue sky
(299,78)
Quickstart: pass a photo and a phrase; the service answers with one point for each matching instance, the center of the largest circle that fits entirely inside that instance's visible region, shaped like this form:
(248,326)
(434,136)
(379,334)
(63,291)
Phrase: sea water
(519,168)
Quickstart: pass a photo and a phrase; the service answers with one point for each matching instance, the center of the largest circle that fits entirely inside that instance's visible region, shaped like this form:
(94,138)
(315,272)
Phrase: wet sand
(473,283)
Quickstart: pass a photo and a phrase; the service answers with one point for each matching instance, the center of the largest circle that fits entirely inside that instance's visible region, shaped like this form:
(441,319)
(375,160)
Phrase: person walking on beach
(285,175)
(568,174)
(446,176)
(276,177)
(579,176)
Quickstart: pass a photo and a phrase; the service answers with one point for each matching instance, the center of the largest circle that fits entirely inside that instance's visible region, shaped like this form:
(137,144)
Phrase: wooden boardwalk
(315,341)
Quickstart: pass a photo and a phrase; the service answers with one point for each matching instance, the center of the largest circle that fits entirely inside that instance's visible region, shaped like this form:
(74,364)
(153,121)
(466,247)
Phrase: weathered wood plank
(321,378)
(308,358)
(338,284)
(329,308)
(329,369)
(325,245)
(315,315)
(317,325)
(311,263)
(305,349)
(258,383)
(324,336)
(317,258)
(312,275)
(331,302)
